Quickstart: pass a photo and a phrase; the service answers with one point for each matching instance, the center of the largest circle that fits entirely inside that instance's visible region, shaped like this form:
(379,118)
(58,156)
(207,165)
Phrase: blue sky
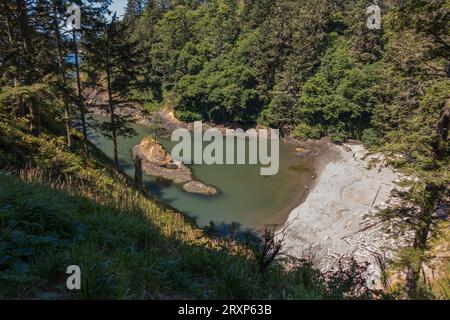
(119,6)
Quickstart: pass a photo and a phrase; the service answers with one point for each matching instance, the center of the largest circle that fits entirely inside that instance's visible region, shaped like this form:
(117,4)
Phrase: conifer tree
(111,60)
(418,144)
(28,55)
(58,9)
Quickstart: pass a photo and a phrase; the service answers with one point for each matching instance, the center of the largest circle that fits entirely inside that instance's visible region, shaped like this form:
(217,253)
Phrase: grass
(139,251)
(57,210)
(438,276)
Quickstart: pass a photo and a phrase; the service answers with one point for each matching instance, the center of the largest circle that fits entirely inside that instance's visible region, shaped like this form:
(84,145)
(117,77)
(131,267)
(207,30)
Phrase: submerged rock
(305,153)
(199,188)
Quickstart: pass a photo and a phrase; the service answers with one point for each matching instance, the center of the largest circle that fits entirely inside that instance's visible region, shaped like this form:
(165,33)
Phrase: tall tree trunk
(67,120)
(116,152)
(421,238)
(413,273)
(138,172)
(112,116)
(10,33)
(444,120)
(432,196)
(28,52)
(81,106)
(35,115)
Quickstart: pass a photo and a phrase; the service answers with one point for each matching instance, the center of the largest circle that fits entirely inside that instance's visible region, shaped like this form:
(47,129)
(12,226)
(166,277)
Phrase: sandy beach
(330,223)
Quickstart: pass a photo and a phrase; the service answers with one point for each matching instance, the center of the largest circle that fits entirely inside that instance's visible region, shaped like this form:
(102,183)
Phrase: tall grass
(127,246)
(115,193)
(57,210)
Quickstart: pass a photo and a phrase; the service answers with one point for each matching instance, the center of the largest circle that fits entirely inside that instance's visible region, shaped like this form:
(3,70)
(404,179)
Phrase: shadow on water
(125,165)
(233,231)
(155,189)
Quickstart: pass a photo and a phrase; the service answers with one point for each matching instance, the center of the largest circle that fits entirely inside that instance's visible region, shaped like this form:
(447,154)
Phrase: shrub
(187,116)
(305,131)
(337,134)
(371,138)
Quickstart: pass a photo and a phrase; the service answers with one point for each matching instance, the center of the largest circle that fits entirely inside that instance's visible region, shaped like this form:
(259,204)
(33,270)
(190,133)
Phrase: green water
(245,197)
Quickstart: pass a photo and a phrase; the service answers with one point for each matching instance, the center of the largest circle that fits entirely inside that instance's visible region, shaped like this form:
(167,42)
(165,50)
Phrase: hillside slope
(56,211)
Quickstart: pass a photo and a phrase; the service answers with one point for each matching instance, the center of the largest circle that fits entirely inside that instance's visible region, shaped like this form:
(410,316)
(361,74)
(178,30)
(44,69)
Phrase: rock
(154,152)
(347,148)
(307,154)
(157,162)
(199,188)
(172,166)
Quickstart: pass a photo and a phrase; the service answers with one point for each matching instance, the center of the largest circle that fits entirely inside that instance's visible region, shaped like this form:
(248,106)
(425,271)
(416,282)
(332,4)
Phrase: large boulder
(199,188)
(150,150)
(157,162)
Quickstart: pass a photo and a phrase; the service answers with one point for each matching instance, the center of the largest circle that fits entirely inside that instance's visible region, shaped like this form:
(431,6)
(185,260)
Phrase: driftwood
(376,196)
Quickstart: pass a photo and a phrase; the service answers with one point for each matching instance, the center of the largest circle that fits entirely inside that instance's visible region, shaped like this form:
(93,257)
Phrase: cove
(246,198)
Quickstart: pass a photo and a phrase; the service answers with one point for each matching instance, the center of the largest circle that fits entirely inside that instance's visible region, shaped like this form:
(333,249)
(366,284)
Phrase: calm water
(245,196)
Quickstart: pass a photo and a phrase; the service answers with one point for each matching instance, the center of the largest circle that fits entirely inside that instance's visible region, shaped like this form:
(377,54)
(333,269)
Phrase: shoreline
(316,163)
(326,222)
(331,222)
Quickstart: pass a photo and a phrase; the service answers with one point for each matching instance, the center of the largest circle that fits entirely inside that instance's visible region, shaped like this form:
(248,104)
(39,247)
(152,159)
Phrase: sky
(119,6)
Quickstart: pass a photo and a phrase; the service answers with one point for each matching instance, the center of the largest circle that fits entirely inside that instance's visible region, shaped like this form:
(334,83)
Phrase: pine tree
(10,55)
(28,55)
(112,61)
(92,16)
(416,138)
(58,9)
(133,10)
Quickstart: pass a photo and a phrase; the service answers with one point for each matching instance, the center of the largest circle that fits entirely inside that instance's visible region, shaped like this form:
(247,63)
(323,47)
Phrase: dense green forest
(310,68)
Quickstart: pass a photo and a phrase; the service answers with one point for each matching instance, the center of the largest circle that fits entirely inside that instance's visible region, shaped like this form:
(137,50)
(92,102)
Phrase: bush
(371,138)
(348,280)
(152,106)
(187,116)
(337,134)
(305,131)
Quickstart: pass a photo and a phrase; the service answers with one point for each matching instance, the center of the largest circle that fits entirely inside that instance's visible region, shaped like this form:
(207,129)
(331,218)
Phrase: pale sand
(329,222)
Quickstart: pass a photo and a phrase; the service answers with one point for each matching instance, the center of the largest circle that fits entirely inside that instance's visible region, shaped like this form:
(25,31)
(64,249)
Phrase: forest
(310,68)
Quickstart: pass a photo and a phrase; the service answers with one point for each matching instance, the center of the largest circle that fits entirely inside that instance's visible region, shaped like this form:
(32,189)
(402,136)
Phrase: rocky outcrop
(157,162)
